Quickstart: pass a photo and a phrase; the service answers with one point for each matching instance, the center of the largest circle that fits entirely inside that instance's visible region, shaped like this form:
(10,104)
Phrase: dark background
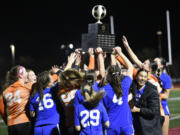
(38,29)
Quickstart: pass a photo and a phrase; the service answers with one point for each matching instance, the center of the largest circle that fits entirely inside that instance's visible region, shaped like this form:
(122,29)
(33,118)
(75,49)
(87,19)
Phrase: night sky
(38,29)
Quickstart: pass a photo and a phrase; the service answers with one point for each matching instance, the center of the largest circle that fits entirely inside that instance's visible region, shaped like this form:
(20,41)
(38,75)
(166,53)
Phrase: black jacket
(147,121)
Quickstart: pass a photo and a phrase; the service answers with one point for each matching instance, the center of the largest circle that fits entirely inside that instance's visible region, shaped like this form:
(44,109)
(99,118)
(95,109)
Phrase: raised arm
(127,62)
(113,57)
(71,60)
(131,53)
(78,58)
(91,59)
(101,65)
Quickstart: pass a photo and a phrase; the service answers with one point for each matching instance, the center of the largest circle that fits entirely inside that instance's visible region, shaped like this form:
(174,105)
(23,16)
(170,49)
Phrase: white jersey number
(118,101)
(93,115)
(48,102)
(10,99)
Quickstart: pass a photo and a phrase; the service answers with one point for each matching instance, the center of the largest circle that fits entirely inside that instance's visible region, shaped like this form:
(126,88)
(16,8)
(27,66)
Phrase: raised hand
(125,42)
(78,59)
(71,60)
(55,68)
(99,50)
(72,57)
(113,51)
(91,51)
(118,49)
(78,50)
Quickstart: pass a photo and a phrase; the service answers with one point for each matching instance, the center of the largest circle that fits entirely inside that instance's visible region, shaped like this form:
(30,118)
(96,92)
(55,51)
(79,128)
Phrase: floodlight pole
(169,38)
(112,24)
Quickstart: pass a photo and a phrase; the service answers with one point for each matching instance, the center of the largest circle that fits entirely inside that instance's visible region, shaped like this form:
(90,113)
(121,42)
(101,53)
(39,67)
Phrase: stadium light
(71,46)
(12,47)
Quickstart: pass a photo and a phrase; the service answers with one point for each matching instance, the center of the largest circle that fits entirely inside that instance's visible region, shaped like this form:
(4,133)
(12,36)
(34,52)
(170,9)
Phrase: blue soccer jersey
(91,121)
(118,110)
(166,83)
(46,111)
(78,99)
(139,93)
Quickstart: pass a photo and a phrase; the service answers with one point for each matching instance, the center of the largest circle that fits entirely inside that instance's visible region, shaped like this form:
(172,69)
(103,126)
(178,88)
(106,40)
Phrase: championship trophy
(99,34)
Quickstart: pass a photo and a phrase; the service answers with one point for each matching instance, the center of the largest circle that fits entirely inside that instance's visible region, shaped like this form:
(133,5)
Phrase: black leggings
(20,129)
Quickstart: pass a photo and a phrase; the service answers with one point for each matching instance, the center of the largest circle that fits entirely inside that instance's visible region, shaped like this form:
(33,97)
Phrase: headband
(20,70)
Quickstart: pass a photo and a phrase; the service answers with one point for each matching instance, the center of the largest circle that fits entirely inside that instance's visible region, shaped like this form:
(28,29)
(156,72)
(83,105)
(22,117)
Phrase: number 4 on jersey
(119,101)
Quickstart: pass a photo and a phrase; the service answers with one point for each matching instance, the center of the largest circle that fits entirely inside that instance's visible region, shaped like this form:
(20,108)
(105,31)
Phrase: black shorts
(20,129)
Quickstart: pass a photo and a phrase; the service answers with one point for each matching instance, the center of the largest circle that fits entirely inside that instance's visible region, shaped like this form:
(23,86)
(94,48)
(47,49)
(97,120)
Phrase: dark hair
(71,79)
(42,82)
(163,62)
(114,79)
(140,70)
(90,77)
(94,98)
(154,67)
(12,76)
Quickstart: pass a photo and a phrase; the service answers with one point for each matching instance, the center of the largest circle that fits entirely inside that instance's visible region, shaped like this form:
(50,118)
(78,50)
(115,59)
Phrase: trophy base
(92,40)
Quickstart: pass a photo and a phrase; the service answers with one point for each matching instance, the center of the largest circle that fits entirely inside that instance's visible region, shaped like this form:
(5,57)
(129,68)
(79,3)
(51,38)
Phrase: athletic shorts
(125,130)
(47,130)
(166,109)
(20,129)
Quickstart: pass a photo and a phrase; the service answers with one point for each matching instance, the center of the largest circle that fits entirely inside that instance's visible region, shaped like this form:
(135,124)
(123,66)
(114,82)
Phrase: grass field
(174,106)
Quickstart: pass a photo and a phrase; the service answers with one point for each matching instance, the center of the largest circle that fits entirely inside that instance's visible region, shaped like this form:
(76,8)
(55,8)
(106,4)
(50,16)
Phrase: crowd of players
(98,99)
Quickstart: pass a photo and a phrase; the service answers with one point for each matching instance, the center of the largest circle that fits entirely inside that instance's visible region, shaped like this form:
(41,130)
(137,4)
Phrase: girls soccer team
(100,105)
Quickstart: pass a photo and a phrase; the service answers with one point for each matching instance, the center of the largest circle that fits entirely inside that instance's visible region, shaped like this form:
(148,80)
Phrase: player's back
(16,97)
(46,111)
(91,120)
(118,109)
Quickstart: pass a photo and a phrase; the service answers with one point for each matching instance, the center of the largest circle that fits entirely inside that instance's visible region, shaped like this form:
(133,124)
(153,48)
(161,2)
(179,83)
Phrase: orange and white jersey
(67,101)
(15,98)
(68,97)
(159,89)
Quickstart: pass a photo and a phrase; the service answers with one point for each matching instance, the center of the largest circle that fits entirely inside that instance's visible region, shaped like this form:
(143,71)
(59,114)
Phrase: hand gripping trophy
(99,12)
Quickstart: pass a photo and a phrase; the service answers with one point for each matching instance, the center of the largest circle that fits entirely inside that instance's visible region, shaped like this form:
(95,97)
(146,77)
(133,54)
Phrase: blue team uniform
(91,121)
(139,93)
(166,83)
(118,110)
(78,99)
(47,117)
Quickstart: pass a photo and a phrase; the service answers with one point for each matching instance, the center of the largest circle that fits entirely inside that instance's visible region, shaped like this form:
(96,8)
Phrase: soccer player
(116,99)
(90,115)
(43,105)
(14,100)
(165,82)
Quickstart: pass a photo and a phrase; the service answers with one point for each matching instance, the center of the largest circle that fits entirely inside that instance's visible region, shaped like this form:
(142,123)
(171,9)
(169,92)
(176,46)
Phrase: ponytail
(114,79)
